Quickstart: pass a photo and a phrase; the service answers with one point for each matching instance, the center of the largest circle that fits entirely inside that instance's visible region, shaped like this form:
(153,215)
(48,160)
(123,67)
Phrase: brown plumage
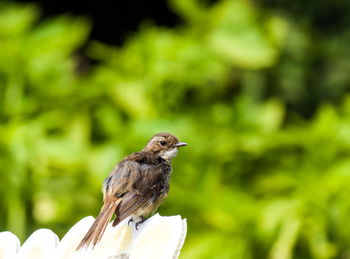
(136,186)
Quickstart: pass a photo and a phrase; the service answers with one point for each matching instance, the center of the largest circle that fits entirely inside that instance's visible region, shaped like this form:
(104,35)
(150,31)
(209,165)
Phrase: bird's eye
(162,142)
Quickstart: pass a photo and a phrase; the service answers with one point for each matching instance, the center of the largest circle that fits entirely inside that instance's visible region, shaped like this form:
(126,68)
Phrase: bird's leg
(139,222)
(130,220)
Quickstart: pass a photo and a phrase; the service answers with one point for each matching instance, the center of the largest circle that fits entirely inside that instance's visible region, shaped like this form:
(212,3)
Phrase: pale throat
(170,154)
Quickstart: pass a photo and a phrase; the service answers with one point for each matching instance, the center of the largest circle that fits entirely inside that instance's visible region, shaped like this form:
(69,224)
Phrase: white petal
(181,239)
(40,244)
(159,238)
(66,249)
(9,245)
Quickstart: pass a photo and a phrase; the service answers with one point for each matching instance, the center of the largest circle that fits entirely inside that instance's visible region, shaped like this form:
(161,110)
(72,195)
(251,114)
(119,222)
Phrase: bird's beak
(181,144)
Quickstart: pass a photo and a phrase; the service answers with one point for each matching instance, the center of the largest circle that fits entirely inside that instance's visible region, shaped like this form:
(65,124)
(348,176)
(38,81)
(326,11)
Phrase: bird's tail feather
(94,235)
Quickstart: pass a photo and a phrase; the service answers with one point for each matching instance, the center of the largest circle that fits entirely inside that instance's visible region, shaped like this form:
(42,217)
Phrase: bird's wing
(134,174)
(130,203)
(121,179)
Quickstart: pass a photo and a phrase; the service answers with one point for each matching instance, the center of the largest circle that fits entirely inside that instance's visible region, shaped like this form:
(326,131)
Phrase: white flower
(157,238)
(9,245)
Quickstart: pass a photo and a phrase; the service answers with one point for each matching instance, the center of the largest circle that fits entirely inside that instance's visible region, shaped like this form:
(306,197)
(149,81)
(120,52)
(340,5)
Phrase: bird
(136,187)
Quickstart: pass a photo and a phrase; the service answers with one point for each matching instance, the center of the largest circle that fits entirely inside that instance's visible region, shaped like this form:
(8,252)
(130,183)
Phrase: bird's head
(165,145)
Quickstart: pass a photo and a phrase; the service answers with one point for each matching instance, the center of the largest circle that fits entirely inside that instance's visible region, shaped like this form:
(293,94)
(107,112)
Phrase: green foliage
(256,181)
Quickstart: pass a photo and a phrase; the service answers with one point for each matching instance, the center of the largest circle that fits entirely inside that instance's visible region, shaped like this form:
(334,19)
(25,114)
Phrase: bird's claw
(139,222)
(130,221)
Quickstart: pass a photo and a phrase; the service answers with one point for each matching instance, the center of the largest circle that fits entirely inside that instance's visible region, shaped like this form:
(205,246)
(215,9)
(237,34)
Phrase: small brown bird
(136,186)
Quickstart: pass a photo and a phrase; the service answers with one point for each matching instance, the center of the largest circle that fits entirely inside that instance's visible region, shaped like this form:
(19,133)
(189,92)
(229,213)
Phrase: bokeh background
(259,90)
